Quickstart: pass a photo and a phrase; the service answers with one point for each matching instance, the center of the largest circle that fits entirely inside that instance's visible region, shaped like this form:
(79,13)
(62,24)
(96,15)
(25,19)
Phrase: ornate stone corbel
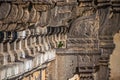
(54,41)
(41,7)
(26,14)
(64,37)
(1,25)
(21,26)
(20,51)
(1,49)
(31,42)
(11,27)
(28,42)
(12,15)
(4,27)
(48,42)
(37,37)
(50,31)
(40,39)
(5,9)
(44,18)
(45,41)
(35,41)
(7,52)
(20,13)
(47,37)
(13,45)
(56,36)
(32,14)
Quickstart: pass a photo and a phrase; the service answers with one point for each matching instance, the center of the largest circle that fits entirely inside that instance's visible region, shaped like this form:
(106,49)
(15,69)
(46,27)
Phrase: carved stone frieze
(83,34)
(88,60)
(84,27)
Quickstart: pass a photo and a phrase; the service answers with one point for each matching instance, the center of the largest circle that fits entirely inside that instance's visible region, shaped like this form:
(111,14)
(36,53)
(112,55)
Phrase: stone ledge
(77,52)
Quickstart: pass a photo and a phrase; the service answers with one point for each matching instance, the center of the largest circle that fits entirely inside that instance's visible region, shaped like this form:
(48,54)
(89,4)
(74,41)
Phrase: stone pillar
(1,48)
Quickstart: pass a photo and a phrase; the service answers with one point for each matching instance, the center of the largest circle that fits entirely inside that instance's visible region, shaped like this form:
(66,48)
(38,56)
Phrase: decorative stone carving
(83,34)
(20,13)
(41,7)
(37,18)
(11,27)
(12,15)
(33,14)
(106,26)
(4,10)
(20,52)
(23,53)
(85,27)
(21,26)
(25,17)
(44,19)
(4,27)
(60,15)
